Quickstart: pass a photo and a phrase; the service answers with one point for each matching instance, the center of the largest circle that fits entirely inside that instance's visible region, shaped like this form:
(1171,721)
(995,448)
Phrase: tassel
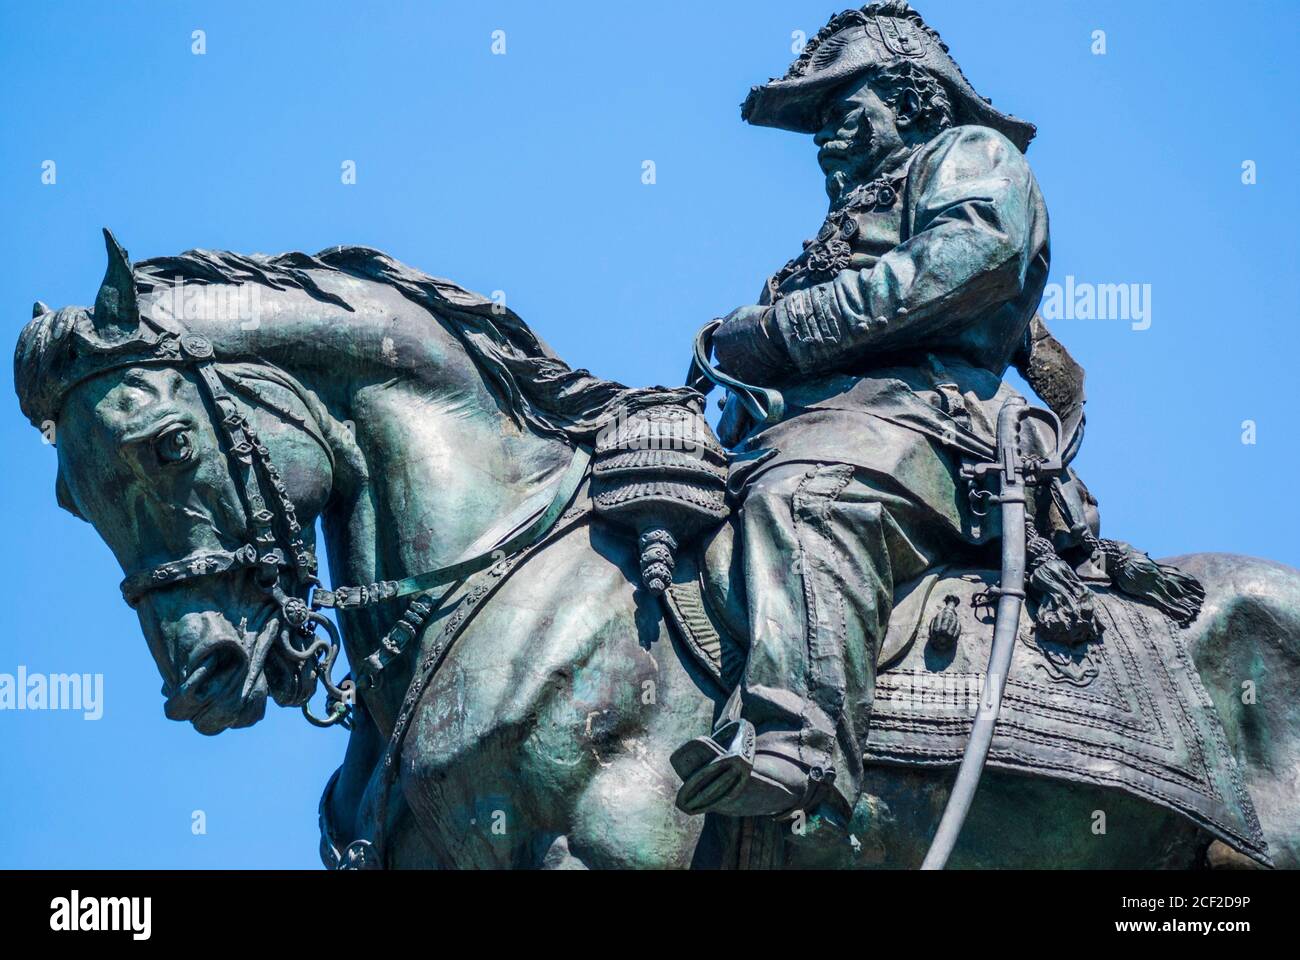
(1176,594)
(945,627)
(1065,611)
(658,558)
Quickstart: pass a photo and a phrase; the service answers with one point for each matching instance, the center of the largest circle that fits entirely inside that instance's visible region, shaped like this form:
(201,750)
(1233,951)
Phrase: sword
(1013,473)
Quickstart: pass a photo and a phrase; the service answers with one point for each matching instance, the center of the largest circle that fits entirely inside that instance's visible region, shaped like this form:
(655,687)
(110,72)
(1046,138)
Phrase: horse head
(204,475)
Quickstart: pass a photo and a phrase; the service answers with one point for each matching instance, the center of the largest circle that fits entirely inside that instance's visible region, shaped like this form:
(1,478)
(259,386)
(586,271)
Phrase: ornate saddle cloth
(1127,712)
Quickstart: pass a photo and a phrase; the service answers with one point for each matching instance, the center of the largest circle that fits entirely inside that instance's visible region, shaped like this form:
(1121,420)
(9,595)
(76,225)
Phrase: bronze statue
(585,632)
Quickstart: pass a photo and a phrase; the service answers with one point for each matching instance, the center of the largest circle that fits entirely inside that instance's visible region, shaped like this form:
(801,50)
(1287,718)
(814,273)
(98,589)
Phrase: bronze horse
(409,417)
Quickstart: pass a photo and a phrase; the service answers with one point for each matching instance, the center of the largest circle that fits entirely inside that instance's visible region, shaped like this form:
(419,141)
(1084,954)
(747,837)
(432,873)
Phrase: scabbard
(1010,597)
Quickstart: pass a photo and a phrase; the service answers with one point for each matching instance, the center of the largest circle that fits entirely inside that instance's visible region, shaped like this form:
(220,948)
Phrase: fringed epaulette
(1064,609)
(1177,594)
(1063,606)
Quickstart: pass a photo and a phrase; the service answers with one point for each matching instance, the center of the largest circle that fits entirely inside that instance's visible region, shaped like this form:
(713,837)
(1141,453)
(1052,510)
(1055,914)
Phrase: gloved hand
(749,347)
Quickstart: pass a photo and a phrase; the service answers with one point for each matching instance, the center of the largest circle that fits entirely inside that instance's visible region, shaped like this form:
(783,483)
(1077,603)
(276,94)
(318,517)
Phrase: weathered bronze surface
(585,632)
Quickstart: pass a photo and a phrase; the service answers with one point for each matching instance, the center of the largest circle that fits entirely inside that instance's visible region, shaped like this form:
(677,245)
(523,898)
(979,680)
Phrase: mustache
(845,148)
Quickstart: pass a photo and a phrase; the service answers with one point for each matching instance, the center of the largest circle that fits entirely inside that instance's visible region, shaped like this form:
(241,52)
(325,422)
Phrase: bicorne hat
(881,34)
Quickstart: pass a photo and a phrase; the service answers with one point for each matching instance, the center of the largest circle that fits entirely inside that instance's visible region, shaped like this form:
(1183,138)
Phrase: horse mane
(538,389)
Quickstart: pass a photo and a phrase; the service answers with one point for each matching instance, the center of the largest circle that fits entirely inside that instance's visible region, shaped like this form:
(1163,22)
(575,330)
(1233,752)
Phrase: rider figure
(888,336)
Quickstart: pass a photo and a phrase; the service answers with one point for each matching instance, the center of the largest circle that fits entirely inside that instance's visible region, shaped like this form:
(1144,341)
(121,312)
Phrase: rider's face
(859,136)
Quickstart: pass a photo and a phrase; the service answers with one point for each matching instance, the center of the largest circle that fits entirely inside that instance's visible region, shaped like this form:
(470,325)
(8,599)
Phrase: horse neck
(443,467)
(428,458)
(439,476)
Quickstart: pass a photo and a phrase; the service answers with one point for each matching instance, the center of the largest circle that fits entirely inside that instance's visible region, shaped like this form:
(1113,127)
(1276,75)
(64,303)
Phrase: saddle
(1124,711)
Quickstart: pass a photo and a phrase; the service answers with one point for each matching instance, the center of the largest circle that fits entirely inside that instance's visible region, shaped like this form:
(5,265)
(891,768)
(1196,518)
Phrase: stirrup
(714,768)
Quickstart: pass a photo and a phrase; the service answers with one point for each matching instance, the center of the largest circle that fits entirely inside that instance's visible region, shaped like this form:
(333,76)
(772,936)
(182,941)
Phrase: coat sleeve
(971,206)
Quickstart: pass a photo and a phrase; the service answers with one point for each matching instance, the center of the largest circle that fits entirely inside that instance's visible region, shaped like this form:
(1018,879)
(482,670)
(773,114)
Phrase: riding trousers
(856,491)
(823,550)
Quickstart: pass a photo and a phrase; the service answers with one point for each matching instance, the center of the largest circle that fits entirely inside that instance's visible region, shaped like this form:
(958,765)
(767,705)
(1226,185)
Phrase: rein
(765,404)
(276,553)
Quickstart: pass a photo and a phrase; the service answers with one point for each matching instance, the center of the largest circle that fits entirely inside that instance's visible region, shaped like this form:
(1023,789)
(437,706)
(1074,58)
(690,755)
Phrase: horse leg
(1246,645)
(625,818)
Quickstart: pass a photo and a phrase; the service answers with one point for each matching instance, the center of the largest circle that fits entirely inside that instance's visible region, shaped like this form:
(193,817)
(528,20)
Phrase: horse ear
(117,314)
(39,309)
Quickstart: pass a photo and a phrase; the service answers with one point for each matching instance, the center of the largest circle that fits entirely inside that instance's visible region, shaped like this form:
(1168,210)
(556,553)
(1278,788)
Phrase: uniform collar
(892,176)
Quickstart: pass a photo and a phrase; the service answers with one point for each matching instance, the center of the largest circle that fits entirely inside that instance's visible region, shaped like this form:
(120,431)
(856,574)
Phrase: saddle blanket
(1127,711)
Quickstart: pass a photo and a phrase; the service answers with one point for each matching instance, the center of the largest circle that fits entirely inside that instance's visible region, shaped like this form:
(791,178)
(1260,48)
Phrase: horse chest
(537,691)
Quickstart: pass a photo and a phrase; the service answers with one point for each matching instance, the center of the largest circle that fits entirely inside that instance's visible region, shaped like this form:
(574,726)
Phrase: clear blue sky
(522,173)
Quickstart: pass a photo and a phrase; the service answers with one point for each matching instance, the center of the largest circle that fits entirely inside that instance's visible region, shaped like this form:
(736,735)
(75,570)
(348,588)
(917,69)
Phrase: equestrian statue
(870,621)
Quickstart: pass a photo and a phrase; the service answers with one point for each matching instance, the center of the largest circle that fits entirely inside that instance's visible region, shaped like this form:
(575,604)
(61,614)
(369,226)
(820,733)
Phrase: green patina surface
(411,419)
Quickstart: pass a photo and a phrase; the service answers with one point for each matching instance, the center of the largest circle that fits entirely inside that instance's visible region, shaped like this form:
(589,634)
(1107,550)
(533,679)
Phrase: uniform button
(810,474)
(196,346)
(900,313)
(816,774)
(881,322)
(862,326)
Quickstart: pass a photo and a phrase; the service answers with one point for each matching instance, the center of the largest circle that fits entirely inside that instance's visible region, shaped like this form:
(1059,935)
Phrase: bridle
(282,563)
(285,566)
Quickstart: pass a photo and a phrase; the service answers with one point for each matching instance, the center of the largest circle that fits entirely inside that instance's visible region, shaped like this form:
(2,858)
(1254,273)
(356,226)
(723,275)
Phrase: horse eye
(174,446)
